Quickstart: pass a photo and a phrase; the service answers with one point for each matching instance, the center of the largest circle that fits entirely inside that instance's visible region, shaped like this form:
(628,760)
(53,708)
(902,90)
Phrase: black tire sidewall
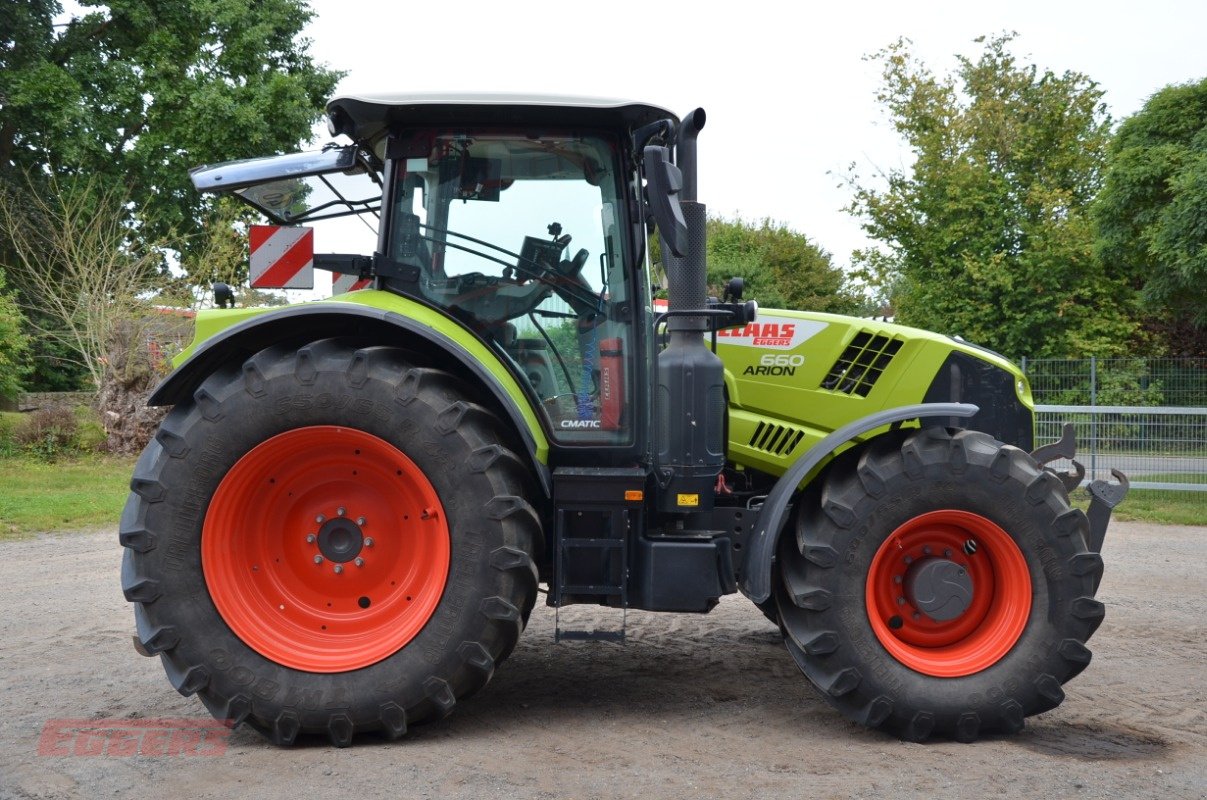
(976,487)
(215,436)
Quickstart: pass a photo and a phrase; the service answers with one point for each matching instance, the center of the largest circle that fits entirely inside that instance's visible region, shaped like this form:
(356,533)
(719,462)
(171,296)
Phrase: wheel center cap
(939,588)
(340,540)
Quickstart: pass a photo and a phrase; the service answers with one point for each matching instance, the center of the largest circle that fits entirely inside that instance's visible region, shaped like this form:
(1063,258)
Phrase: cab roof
(365,118)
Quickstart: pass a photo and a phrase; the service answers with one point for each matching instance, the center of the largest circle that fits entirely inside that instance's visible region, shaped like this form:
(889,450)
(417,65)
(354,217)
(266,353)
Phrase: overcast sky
(790,100)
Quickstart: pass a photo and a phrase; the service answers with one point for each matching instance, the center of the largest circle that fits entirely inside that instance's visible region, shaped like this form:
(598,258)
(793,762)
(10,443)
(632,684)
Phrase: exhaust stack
(690,392)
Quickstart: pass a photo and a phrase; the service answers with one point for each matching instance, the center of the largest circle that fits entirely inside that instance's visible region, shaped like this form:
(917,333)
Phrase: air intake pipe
(690,394)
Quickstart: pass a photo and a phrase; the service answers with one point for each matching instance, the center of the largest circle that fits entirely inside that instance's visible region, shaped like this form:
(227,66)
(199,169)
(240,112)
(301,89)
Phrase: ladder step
(583,625)
(593,589)
(590,636)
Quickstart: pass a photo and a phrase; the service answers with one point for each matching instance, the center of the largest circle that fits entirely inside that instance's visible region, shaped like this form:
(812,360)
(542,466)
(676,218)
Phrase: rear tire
(250,613)
(906,500)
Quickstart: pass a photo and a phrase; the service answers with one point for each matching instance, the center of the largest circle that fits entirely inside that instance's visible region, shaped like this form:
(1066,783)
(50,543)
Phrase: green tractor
(343,523)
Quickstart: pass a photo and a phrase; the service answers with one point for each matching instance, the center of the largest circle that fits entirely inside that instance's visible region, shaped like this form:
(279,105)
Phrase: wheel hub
(325,549)
(948,593)
(340,540)
(940,589)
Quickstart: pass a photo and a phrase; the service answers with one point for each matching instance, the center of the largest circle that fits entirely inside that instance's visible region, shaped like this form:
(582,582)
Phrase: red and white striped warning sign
(341,284)
(281,257)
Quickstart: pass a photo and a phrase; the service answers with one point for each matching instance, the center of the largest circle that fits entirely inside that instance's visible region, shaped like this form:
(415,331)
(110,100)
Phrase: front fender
(756,573)
(381,317)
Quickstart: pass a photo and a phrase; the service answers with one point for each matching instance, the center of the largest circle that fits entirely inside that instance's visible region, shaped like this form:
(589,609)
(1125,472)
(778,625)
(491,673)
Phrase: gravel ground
(691,707)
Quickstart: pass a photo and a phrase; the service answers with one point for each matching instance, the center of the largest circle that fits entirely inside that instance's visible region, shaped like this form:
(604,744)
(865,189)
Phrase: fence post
(1093,417)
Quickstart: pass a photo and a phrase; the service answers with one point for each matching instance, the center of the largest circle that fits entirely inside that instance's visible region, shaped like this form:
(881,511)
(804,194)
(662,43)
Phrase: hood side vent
(861,364)
(778,440)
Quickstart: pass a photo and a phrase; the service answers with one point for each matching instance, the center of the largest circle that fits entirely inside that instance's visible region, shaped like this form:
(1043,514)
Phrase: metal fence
(1146,417)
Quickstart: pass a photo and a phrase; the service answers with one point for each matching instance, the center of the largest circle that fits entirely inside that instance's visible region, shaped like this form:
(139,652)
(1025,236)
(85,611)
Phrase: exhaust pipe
(690,400)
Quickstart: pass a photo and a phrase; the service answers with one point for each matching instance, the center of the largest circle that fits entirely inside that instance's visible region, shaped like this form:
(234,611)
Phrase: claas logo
(763,334)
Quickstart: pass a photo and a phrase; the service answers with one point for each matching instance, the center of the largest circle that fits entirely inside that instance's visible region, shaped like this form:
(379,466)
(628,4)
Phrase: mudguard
(439,336)
(756,572)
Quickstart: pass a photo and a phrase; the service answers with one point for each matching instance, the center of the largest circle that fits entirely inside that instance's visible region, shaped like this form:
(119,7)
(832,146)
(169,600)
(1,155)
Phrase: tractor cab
(521,232)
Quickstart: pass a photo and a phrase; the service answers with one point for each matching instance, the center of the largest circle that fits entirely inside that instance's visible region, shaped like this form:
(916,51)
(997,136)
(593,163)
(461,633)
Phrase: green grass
(72,494)
(1156,505)
(1170,508)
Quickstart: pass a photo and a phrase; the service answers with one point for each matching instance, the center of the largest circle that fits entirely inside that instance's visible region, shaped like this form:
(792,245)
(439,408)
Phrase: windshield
(518,236)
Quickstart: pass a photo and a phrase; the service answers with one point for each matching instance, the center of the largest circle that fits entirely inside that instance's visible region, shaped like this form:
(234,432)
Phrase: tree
(988,234)
(782,268)
(1152,211)
(72,250)
(136,92)
(14,344)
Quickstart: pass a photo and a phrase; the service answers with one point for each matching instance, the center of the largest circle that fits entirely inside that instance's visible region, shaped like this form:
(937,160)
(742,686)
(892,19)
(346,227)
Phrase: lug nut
(360,562)
(339,568)
(368,541)
(926,549)
(339,512)
(310,538)
(318,559)
(360,521)
(320,519)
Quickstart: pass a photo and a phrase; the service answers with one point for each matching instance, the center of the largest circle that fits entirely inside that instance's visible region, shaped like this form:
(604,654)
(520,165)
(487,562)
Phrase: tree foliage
(1152,211)
(988,234)
(136,92)
(14,344)
(782,268)
(72,257)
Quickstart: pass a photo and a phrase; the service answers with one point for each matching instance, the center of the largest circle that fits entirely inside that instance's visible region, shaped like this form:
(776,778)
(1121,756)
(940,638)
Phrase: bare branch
(71,254)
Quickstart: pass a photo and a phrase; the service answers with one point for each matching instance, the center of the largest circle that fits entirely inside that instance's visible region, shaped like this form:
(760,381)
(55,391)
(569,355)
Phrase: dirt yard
(691,707)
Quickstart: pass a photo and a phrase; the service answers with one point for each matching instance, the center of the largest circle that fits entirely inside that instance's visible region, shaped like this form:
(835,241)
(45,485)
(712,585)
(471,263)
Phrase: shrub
(47,433)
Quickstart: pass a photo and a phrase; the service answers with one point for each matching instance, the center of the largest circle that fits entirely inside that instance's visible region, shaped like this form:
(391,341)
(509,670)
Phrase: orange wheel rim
(325,549)
(995,614)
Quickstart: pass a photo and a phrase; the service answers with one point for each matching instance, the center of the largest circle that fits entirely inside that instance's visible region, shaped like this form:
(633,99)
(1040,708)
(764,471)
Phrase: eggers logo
(117,738)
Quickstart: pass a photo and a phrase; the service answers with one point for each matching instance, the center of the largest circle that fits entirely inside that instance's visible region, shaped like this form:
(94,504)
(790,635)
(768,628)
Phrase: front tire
(329,540)
(914,521)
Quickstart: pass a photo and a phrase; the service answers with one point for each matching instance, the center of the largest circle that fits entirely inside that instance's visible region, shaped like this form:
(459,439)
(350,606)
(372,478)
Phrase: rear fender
(756,572)
(441,341)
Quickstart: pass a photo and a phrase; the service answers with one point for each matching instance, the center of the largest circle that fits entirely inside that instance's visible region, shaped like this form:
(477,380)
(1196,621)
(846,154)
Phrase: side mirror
(665,181)
(734,289)
(224,297)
